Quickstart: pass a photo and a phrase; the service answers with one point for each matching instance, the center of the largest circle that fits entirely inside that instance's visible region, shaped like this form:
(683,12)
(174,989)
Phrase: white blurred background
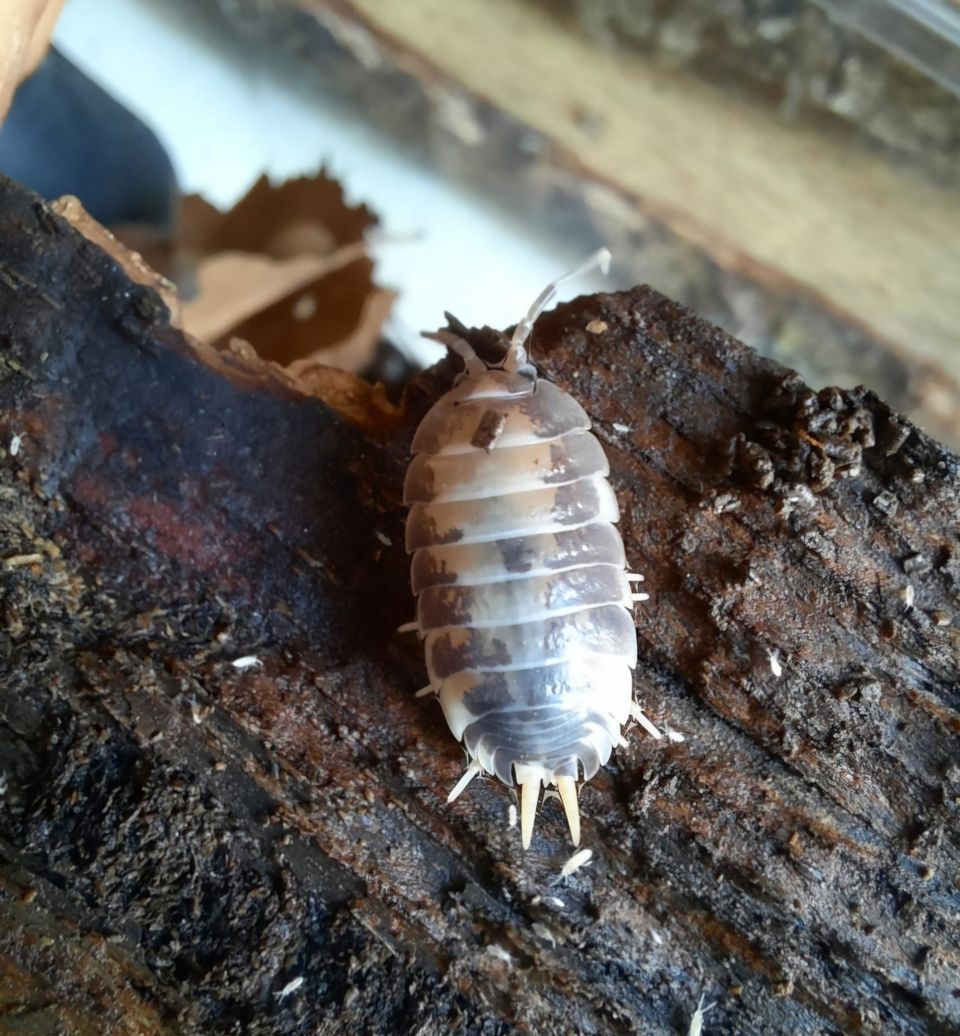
(225,122)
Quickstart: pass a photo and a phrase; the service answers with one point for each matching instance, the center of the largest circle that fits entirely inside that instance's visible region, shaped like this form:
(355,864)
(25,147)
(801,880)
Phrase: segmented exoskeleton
(524,603)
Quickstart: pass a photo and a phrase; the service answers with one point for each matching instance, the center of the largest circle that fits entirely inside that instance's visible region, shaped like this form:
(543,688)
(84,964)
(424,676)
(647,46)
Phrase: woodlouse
(524,602)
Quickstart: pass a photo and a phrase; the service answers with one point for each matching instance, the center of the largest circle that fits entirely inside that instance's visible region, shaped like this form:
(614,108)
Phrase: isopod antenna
(472,363)
(516,356)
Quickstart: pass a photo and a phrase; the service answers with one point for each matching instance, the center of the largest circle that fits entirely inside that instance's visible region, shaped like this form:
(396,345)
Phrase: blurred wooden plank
(886,74)
(775,200)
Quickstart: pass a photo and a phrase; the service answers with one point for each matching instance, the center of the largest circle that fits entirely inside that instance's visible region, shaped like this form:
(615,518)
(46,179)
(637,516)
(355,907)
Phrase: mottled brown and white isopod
(524,603)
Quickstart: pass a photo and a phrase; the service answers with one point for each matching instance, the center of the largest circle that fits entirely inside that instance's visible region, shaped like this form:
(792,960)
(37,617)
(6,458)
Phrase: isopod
(524,602)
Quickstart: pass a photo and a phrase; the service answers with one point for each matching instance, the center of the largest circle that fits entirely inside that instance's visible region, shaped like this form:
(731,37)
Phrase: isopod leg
(529,793)
(458,789)
(567,787)
(648,725)
(634,577)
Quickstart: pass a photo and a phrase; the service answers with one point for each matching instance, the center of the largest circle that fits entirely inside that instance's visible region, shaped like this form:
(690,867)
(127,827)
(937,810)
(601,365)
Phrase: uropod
(524,602)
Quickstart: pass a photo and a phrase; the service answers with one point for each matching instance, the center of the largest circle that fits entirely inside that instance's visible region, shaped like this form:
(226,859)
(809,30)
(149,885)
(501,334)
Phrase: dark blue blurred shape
(65,135)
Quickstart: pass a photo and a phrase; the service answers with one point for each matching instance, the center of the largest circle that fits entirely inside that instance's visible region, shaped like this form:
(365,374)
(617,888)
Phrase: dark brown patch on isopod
(451,654)
(422,529)
(552,412)
(488,430)
(575,455)
(490,695)
(576,502)
(440,606)
(429,570)
(517,555)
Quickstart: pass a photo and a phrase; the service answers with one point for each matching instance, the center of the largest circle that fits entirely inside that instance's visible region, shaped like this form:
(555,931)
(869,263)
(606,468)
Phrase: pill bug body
(524,603)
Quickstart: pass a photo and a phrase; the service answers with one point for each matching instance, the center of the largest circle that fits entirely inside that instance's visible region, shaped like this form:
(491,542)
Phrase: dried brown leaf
(235,287)
(306,214)
(286,270)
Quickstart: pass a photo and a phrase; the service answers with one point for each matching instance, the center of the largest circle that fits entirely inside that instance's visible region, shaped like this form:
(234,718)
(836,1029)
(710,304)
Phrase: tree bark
(194,843)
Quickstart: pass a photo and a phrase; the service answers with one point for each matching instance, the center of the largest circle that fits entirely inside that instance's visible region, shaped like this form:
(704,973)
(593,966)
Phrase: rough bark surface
(190,846)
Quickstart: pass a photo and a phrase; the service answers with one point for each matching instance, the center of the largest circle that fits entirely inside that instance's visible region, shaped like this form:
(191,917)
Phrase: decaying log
(193,841)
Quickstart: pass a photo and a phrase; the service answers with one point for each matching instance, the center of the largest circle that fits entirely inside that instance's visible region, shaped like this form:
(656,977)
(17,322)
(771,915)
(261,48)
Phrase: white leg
(567,787)
(458,789)
(529,793)
(637,713)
